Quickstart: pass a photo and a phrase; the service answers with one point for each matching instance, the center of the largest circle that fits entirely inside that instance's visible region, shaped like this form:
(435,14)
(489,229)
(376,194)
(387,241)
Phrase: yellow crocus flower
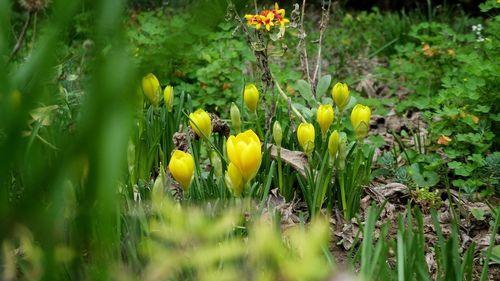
(340,94)
(151,88)
(360,120)
(244,152)
(306,135)
(251,97)
(181,167)
(325,117)
(201,123)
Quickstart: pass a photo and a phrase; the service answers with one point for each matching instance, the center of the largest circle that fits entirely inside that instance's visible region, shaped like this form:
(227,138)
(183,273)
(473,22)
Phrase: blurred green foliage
(80,151)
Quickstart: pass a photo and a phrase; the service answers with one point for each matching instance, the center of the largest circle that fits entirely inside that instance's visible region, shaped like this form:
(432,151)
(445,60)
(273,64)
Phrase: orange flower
(279,14)
(444,140)
(268,18)
(428,51)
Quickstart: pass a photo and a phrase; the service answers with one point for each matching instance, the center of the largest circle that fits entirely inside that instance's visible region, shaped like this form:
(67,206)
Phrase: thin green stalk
(339,119)
(484,273)
(280,172)
(342,193)
(257,123)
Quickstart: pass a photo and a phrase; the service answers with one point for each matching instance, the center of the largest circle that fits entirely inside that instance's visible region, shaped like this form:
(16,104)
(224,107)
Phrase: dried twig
(325,18)
(20,39)
(302,45)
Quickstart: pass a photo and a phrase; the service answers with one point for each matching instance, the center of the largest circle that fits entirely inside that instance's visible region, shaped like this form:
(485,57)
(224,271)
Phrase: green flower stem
(339,119)
(280,172)
(259,128)
(342,194)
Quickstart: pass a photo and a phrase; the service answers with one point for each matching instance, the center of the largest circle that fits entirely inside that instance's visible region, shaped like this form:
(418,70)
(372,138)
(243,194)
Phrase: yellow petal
(234,179)
(181,167)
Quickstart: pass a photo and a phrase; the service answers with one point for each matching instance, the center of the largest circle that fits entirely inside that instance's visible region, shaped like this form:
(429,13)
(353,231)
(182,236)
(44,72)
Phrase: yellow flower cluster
(243,151)
(360,120)
(268,18)
(152,89)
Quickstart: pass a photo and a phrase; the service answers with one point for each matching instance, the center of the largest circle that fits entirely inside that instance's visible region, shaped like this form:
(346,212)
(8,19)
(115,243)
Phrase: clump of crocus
(235,118)
(325,117)
(181,167)
(268,18)
(306,135)
(340,94)
(251,97)
(201,123)
(151,88)
(244,153)
(360,120)
(168,97)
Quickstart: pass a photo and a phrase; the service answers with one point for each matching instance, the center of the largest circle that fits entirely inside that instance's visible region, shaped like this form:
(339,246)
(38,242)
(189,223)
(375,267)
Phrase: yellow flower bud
(360,120)
(333,144)
(305,135)
(168,97)
(201,123)
(151,88)
(216,163)
(244,152)
(234,179)
(277,133)
(235,118)
(325,117)
(251,97)
(181,167)
(340,94)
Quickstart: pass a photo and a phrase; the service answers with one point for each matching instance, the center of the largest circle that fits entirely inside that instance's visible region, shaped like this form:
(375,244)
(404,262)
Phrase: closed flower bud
(244,152)
(277,133)
(151,88)
(181,167)
(168,97)
(234,179)
(235,118)
(340,94)
(216,163)
(333,144)
(342,153)
(251,97)
(325,117)
(360,120)
(306,135)
(201,123)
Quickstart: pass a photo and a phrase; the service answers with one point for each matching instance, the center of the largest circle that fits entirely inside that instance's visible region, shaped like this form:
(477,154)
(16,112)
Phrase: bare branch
(302,45)
(325,18)
(20,39)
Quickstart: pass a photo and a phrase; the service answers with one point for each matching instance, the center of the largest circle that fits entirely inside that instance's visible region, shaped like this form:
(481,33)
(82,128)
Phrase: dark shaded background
(386,5)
